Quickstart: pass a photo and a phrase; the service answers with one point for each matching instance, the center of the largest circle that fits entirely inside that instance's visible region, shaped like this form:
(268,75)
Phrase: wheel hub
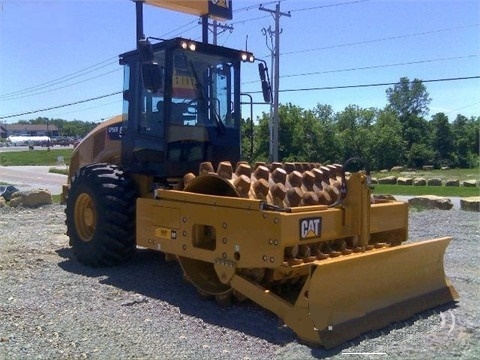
(85,217)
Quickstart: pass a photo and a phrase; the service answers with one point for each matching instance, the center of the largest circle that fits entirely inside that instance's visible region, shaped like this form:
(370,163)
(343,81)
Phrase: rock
(419,182)
(470,203)
(453,182)
(388,180)
(445,168)
(427,167)
(434,182)
(382,198)
(34,198)
(373,180)
(469,183)
(384,171)
(397,168)
(404,181)
(431,202)
(15,200)
(2,202)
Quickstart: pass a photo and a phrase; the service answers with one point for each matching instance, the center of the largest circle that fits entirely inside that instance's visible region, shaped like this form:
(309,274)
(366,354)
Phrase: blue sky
(56,52)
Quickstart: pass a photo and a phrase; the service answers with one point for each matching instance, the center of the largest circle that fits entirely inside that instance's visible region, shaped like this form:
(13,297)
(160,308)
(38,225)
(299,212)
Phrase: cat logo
(310,228)
(222,3)
(220,9)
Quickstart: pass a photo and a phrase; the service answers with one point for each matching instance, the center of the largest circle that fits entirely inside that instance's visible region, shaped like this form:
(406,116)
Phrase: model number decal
(114,132)
(166,233)
(310,227)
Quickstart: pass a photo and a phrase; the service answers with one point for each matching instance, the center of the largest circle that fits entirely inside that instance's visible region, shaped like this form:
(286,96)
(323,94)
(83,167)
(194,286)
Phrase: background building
(7,130)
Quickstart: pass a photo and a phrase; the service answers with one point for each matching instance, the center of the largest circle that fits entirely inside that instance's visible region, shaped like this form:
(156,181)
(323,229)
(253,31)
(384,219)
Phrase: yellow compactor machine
(302,240)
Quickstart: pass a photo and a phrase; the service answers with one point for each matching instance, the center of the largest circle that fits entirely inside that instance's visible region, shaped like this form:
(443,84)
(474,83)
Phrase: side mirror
(145,50)
(266,92)
(261,71)
(266,88)
(151,72)
(152,77)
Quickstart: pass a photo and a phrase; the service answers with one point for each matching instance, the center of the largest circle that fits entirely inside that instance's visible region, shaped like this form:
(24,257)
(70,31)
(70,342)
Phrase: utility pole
(215,26)
(275,53)
(139,20)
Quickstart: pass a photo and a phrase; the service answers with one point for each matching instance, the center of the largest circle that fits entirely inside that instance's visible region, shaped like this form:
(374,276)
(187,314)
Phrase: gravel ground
(52,307)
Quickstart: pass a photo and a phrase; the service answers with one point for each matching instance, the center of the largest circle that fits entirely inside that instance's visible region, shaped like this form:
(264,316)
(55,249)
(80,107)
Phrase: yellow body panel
(220,9)
(369,291)
(194,7)
(219,239)
(218,213)
(97,147)
(241,226)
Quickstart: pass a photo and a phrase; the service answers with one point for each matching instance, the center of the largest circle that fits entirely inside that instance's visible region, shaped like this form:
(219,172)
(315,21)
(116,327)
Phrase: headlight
(247,57)
(191,46)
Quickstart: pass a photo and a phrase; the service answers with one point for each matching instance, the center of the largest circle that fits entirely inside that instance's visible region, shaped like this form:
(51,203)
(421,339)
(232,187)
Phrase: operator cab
(181,106)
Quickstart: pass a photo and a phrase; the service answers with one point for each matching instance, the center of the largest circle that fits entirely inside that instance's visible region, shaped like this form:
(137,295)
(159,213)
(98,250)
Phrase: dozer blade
(354,294)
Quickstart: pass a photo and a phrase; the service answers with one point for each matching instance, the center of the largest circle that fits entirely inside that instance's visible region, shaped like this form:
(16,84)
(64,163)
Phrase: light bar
(248,57)
(191,45)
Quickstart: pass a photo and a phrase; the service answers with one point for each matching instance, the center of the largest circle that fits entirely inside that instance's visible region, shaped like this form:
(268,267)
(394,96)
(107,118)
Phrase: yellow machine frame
(340,297)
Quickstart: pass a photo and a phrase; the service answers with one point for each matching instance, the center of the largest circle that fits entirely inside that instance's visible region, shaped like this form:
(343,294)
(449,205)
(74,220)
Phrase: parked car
(7,191)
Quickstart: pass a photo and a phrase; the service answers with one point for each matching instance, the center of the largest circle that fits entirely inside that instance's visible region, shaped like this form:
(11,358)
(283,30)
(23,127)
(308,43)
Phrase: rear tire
(101,215)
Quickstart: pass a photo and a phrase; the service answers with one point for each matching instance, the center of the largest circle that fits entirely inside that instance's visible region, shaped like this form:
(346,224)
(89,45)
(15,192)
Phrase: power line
(255,6)
(61,79)
(60,106)
(254,92)
(380,40)
(83,71)
(379,84)
(371,67)
(181,27)
(371,85)
(87,108)
(295,10)
(464,107)
(248,20)
(62,87)
(329,6)
(380,66)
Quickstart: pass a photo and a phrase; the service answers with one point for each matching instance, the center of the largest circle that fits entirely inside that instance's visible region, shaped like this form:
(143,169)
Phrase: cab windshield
(202,90)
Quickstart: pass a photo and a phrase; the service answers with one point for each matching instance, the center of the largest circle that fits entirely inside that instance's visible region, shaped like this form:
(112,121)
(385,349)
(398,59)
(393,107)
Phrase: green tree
(329,148)
(442,139)
(420,154)
(262,137)
(65,128)
(307,139)
(73,128)
(289,133)
(466,133)
(304,135)
(388,147)
(247,131)
(353,132)
(408,98)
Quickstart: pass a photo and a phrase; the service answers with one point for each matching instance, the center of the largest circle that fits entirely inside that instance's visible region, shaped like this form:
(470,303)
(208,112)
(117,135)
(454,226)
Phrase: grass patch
(411,190)
(450,174)
(35,157)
